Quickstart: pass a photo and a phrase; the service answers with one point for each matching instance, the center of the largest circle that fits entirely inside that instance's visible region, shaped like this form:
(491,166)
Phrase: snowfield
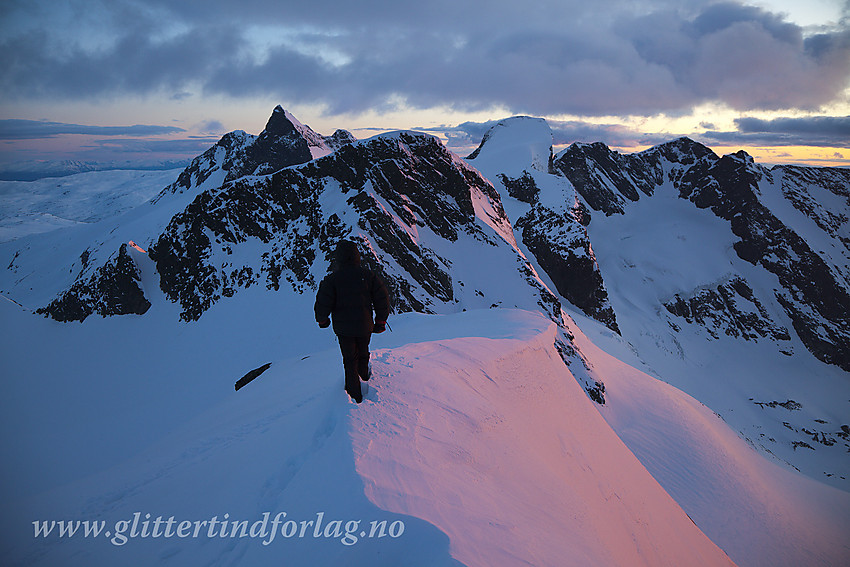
(33,207)
(474,435)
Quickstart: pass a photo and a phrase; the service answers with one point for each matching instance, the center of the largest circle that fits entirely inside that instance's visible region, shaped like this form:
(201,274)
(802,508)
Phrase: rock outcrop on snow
(113,289)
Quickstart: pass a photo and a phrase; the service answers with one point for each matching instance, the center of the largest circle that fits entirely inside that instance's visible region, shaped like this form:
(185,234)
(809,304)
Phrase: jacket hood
(347,254)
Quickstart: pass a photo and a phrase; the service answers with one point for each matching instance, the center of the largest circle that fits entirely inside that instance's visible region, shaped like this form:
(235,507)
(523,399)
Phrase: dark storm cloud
(34,129)
(827,131)
(611,57)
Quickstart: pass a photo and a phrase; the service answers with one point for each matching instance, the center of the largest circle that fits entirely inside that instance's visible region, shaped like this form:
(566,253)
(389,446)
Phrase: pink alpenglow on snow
(497,445)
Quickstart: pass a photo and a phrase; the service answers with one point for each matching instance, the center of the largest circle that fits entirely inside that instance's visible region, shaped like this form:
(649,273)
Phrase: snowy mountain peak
(283,142)
(682,150)
(521,140)
(550,220)
(280,123)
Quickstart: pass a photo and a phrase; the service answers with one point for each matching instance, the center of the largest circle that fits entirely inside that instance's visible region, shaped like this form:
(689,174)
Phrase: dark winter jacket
(350,294)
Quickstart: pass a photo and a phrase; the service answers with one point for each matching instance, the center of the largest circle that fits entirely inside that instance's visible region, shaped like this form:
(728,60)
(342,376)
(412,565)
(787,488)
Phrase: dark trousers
(355,361)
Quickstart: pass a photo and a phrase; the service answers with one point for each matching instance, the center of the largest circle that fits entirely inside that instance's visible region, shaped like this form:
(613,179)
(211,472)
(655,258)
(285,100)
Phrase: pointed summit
(279,124)
(285,142)
(280,145)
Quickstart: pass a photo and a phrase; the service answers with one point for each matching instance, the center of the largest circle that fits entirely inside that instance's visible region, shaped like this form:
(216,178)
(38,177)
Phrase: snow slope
(474,435)
(493,441)
(657,250)
(756,509)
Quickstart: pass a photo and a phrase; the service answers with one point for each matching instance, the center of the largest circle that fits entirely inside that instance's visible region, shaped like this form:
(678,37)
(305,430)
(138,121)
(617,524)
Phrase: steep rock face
(551,222)
(559,243)
(279,145)
(816,301)
(113,289)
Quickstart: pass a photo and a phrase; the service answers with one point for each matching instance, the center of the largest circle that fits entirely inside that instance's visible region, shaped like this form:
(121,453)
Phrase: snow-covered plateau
(594,358)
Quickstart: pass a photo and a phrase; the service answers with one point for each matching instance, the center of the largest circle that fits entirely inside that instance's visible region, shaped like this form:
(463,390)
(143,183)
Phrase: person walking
(349,295)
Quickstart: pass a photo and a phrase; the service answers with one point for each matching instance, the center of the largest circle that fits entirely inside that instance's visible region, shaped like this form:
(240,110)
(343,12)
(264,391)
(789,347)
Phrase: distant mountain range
(33,170)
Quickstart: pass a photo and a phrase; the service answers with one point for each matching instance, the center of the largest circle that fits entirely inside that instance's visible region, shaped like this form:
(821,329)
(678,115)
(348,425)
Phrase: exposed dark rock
(413,175)
(561,247)
(339,138)
(279,145)
(251,375)
(790,405)
(607,180)
(113,289)
(523,188)
(813,293)
(818,304)
(730,308)
(559,242)
(594,388)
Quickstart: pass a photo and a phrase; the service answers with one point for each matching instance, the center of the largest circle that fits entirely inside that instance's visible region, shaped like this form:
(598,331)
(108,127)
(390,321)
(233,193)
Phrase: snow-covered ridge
(475,436)
(521,140)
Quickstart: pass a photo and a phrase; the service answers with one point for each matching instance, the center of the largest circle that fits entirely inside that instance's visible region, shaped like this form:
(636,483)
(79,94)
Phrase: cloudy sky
(146,80)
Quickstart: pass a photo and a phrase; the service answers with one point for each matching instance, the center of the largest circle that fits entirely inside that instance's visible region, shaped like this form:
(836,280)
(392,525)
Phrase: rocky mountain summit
(754,201)
(403,196)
